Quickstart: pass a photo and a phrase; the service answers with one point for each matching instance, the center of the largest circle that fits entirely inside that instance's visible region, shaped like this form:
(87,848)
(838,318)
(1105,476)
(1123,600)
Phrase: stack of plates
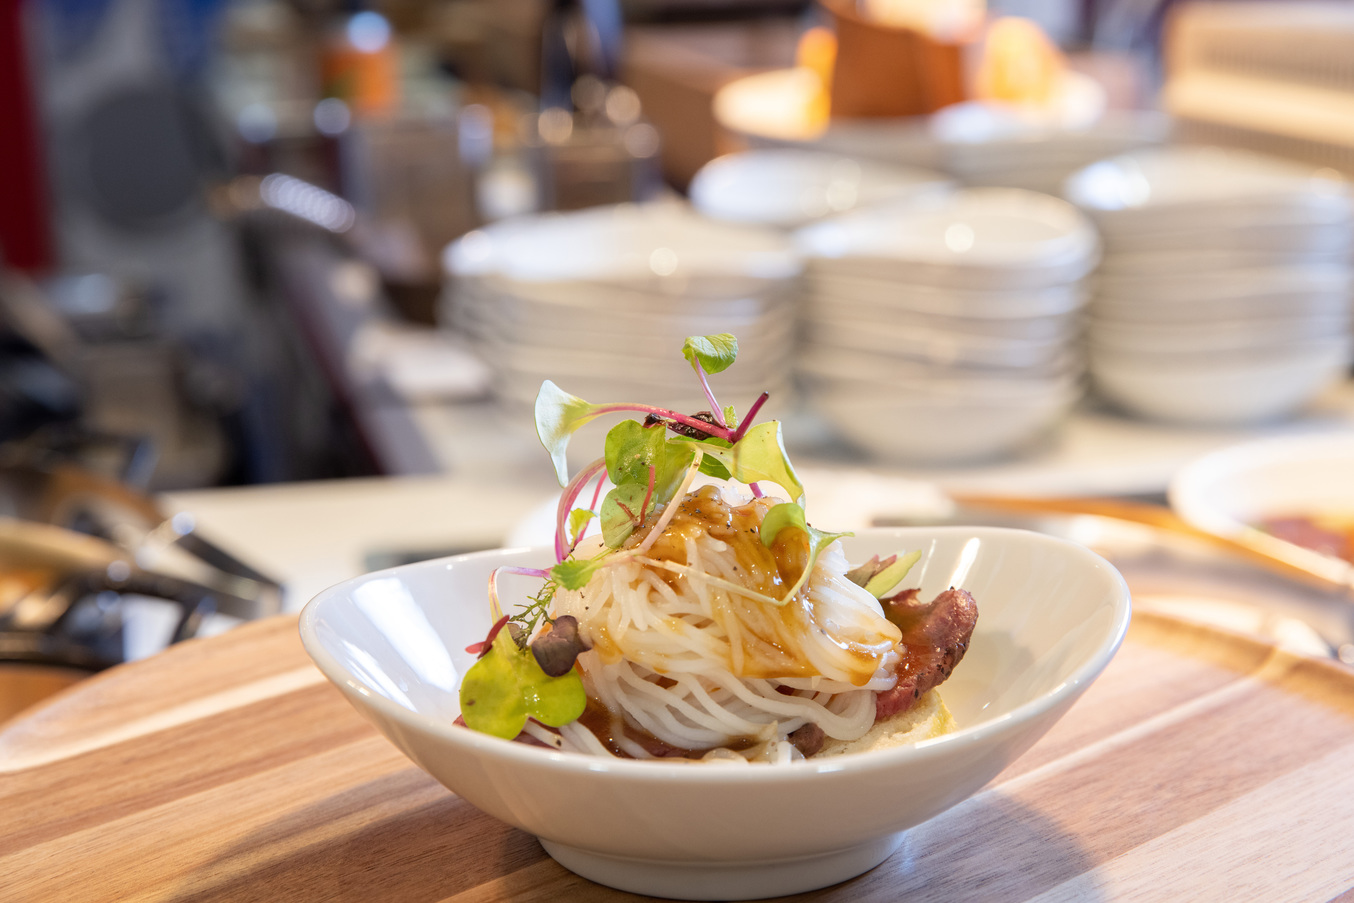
(600,300)
(946,329)
(788,187)
(974,142)
(982,147)
(1224,294)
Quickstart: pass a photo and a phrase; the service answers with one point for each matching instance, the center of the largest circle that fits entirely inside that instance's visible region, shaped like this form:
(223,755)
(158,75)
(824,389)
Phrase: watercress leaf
(574,573)
(558,416)
(789,515)
(759,455)
(714,353)
(710,465)
(669,476)
(622,512)
(553,701)
(491,701)
(578,519)
(507,686)
(631,449)
(892,575)
(713,467)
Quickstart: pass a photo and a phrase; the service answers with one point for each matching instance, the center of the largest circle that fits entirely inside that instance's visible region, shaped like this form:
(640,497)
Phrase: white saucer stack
(946,329)
(788,187)
(600,300)
(1224,296)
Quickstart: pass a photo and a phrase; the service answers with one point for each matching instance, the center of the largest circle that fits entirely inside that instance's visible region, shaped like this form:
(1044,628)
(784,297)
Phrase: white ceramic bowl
(788,187)
(1200,187)
(1052,614)
(829,285)
(1273,239)
(944,421)
(1228,491)
(1182,290)
(1221,389)
(938,346)
(1205,263)
(776,108)
(637,244)
(879,375)
(1066,326)
(1235,333)
(1143,308)
(971,238)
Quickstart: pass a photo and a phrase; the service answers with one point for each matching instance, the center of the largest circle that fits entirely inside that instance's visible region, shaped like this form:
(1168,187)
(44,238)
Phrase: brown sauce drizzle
(607,726)
(770,637)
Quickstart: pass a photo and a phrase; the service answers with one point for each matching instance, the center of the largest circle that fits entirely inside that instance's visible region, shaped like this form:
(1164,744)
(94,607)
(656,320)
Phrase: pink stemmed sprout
(567,499)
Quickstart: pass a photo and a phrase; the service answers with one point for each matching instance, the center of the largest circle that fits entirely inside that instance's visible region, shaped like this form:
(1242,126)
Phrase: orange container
(884,70)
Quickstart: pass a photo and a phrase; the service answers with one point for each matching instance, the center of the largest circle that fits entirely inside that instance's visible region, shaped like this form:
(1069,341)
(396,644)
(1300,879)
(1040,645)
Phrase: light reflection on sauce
(769,638)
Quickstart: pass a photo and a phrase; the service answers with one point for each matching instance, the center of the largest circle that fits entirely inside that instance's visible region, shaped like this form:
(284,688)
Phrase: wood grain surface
(1200,766)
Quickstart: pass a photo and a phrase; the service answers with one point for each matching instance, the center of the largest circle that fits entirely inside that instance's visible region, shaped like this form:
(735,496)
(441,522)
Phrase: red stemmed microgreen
(566,503)
(711,354)
(478,649)
(647,468)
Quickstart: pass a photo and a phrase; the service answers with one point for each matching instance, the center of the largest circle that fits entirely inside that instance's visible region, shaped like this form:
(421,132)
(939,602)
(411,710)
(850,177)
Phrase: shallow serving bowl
(1052,614)
(788,187)
(972,238)
(1230,490)
(1221,388)
(945,422)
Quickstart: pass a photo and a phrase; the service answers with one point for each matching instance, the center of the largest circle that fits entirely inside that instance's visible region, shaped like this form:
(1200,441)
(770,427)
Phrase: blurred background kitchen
(279,279)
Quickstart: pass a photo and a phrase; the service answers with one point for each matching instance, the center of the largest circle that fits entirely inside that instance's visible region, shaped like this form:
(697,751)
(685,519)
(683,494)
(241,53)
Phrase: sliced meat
(935,637)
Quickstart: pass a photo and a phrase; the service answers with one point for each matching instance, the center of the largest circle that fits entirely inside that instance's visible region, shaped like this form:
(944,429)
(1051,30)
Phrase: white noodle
(670,639)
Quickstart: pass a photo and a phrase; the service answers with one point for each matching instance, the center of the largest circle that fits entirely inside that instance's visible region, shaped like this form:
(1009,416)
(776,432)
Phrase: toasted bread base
(926,719)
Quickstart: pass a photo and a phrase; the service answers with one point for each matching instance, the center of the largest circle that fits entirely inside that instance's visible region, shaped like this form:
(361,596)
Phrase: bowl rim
(1191,484)
(565,762)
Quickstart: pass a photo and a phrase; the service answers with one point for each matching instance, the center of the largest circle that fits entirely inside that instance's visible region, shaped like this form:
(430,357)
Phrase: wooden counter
(1200,766)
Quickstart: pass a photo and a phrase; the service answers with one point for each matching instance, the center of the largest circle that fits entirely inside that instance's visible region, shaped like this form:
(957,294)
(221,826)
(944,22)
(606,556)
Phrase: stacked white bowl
(788,187)
(600,300)
(987,145)
(946,329)
(975,142)
(1224,294)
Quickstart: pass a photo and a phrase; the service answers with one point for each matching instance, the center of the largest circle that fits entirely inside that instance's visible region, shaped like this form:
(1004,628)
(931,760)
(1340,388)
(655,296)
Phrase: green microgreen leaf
(759,455)
(893,574)
(558,416)
(714,353)
(634,455)
(631,449)
(791,516)
(507,686)
(622,512)
(574,573)
(578,521)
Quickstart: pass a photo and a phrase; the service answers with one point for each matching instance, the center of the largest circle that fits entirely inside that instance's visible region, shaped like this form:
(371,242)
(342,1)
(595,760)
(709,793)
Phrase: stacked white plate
(975,143)
(985,144)
(1224,296)
(789,187)
(946,329)
(600,300)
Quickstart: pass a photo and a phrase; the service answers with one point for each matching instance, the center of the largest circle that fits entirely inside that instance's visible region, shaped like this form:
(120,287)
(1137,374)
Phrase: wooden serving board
(1201,766)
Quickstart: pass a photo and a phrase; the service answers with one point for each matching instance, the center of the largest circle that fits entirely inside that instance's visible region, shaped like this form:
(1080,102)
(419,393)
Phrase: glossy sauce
(1329,535)
(770,637)
(607,726)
